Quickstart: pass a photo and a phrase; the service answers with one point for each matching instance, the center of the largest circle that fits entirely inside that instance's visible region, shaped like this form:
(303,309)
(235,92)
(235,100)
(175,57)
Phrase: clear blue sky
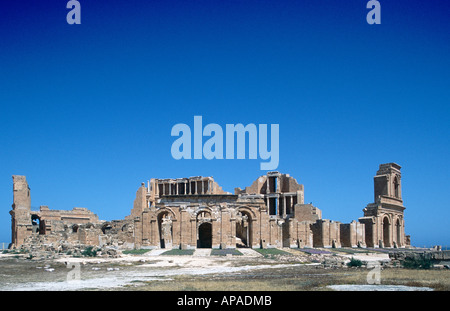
(86,110)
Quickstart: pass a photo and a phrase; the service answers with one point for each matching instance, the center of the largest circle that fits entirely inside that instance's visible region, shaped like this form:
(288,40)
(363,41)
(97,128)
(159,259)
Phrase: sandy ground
(70,273)
(379,287)
(152,270)
(370,257)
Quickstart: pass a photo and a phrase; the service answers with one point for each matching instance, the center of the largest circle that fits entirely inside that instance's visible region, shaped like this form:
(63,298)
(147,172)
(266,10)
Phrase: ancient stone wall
(353,234)
(195,212)
(326,233)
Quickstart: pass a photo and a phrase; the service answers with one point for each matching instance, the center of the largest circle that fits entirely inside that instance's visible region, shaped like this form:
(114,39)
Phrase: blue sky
(86,110)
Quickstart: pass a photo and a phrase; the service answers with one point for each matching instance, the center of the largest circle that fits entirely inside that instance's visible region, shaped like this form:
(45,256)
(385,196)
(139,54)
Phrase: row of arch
(204,227)
(391,232)
(391,235)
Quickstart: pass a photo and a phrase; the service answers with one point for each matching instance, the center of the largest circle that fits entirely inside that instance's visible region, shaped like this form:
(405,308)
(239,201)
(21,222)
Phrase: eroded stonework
(195,212)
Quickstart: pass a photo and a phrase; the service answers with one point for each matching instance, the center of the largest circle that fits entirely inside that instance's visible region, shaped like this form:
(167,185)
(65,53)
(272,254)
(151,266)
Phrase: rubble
(37,248)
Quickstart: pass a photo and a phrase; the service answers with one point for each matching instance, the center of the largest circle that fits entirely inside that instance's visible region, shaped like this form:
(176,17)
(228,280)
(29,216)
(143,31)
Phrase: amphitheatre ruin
(194,212)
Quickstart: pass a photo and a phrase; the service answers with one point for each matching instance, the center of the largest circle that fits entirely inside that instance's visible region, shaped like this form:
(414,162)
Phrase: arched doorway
(243,229)
(204,235)
(107,228)
(38,226)
(386,232)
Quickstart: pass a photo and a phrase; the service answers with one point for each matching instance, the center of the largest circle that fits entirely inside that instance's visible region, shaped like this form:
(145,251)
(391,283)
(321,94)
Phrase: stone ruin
(195,212)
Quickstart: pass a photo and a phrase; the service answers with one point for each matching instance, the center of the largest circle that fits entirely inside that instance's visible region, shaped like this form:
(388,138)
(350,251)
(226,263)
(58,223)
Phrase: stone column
(145,226)
(154,234)
(184,229)
(193,241)
(216,234)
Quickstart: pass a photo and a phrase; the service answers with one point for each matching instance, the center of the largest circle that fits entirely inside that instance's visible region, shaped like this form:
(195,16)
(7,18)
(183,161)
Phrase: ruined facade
(384,219)
(195,212)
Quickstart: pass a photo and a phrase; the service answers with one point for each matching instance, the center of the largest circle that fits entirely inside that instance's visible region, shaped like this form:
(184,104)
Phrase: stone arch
(38,226)
(106,228)
(165,219)
(75,228)
(168,211)
(244,227)
(203,218)
(202,210)
(202,215)
(386,231)
(250,210)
